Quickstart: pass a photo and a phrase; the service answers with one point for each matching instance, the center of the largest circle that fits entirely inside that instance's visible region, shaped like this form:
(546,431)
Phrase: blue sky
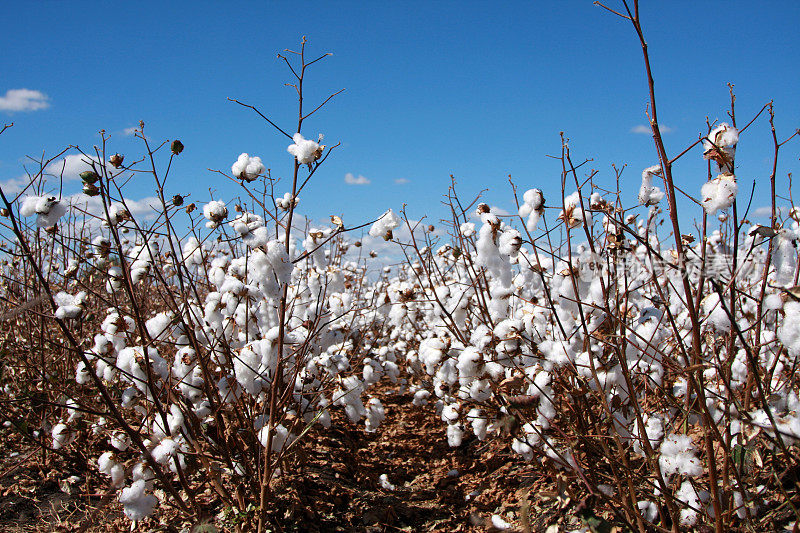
(479,90)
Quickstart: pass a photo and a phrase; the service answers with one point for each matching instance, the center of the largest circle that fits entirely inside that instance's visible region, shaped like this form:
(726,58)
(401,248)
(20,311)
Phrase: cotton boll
(280,437)
(164,451)
(719,193)
(384,482)
(215,212)
(304,150)
(773,302)
(48,209)
(509,242)
(720,146)
(137,504)
(120,441)
(28,207)
(648,509)
(479,422)
(678,456)
(421,397)
(61,436)
(693,500)
(108,465)
(784,256)
(382,228)
(715,313)
(455,435)
(467,229)
(69,306)
(450,413)
(248,168)
(160,326)
(286,202)
(499,523)
(532,207)
(573,214)
(375,415)
(648,193)
(789,329)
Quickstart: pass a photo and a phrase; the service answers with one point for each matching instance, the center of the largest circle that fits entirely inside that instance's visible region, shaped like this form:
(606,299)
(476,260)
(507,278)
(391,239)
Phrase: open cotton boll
(789,329)
(160,326)
(678,456)
(116,214)
(375,415)
(693,500)
(193,252)
(384,482)
(467,229)
(108,465)
(215,212)
(28,207)
(164,451)
(720,146)
(499,523)
(421,397)
(715,313)
(455,435)
(248,168)
(69,306)
(48,209)
(382,228)
(280,437)
(573,214)
(532,207)
(137,504)
(648,193)
(784,256)
(719,193)
(61,436)
(304,150)
(120,441)
(286,202)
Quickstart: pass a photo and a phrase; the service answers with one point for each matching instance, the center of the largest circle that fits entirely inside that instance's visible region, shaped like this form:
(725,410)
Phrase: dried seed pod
(116,160)
(89,177)
(176,147)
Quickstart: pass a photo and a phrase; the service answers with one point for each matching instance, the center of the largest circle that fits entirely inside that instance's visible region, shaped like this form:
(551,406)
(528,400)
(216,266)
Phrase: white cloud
(14,186)
(644,129)
(71,166)
(129,131)
(143,209)
(402,181)
(350,179)
(23,100)
(766,211)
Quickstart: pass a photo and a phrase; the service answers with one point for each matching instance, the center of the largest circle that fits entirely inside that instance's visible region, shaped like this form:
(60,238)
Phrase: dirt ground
(437,488)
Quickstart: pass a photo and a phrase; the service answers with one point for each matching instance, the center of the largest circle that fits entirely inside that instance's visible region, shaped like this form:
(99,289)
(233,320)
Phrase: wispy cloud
(766,211)
(129,131)
(71,166)
(402,181)
(14,185)
(644,129)
(350,179)
(23,100)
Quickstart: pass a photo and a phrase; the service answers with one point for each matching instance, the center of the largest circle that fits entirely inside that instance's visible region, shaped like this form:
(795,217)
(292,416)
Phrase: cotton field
(644,367)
